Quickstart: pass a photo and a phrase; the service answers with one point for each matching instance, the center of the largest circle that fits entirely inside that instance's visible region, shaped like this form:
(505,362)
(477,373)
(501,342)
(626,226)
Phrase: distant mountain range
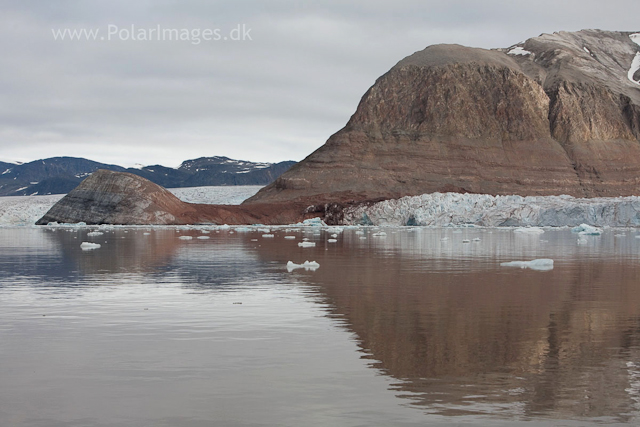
(59,175)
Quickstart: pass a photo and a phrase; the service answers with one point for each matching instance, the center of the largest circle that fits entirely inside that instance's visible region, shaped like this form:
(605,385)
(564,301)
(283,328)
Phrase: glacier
(454,209)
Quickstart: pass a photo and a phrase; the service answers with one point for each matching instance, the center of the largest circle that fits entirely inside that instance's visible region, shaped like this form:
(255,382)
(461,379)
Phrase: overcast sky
(277,95)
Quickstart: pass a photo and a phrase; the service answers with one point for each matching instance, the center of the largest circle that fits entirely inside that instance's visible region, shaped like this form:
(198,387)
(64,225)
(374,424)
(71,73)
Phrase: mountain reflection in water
(456,334)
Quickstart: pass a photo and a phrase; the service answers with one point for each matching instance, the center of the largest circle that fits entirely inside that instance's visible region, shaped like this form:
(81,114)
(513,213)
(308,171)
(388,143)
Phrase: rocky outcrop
(108,197)
(557,114)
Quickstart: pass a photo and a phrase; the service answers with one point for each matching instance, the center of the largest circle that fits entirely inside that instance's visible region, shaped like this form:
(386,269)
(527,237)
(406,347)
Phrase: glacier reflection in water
(418,326)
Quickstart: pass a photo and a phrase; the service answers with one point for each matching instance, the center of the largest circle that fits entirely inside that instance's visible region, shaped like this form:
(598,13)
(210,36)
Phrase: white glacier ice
(268,236)
(87,246)
(307,244)
(587,230)
(536,264)
(332,240)
(185,237)
(95,233)
(454,209)
(307,265)
(529,230)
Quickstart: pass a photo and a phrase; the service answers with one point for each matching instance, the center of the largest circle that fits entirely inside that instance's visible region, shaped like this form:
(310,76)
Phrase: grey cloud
(276,97)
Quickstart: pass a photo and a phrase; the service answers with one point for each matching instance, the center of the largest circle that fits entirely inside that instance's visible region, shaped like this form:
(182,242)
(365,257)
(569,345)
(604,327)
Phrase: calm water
(152,330)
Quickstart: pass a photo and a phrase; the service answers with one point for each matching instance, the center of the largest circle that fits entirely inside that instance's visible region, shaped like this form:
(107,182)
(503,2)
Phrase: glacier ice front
(454,209)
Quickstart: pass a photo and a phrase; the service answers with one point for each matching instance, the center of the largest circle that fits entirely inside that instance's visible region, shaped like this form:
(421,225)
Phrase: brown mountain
(557,114)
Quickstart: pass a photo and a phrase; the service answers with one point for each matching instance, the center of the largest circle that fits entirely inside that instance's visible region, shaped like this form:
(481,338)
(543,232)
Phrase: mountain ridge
(59,175)
(556,114)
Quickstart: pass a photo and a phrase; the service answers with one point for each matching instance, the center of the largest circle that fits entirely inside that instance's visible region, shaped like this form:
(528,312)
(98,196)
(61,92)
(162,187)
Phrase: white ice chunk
(536,264)
(290,237)
(185,237)
(267,236)
(332,240)
(380,234)
(529,230)
(307,265)
(587,230)
(95,233)
(203,237)
(307,244)
(87,246)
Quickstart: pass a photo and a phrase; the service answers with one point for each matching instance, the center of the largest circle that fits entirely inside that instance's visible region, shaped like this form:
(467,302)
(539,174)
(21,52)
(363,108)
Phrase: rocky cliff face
(557,114)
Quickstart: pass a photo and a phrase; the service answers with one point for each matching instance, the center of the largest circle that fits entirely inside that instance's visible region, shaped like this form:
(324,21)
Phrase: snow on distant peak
(635,65)
(519,50)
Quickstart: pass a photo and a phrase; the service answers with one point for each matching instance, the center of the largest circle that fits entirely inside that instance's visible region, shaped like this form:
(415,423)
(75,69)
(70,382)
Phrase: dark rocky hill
(557,114)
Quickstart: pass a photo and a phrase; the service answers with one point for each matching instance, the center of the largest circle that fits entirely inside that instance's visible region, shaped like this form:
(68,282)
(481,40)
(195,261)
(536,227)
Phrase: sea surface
(418,327)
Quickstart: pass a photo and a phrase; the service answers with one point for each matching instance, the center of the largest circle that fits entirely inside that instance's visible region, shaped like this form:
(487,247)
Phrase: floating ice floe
(332,240)
(477,239)
(185,237)
(379,234)
(536,264)
(307,244)
(333,236)
(87,246)
(466,241)
(95,233)
(334,230)
(203,237)
(529,230)
(307,265)
(312,222)
(290,237)
(146,234)
(242,229)
(268,236)
(587,230)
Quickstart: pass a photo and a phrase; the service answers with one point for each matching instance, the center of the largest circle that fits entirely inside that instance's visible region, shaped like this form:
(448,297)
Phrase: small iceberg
(95,233)
(267,236)
(332,240)
(185,237)
(312,222)
(203,237)
(307,265)
(87,246)
(290,237)
(307,244)
(379,234)
(536,264)
(529,230)
(587,230)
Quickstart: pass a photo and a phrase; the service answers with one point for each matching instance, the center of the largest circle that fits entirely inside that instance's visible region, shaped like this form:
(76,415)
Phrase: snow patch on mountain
(635,64)
(519,50)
